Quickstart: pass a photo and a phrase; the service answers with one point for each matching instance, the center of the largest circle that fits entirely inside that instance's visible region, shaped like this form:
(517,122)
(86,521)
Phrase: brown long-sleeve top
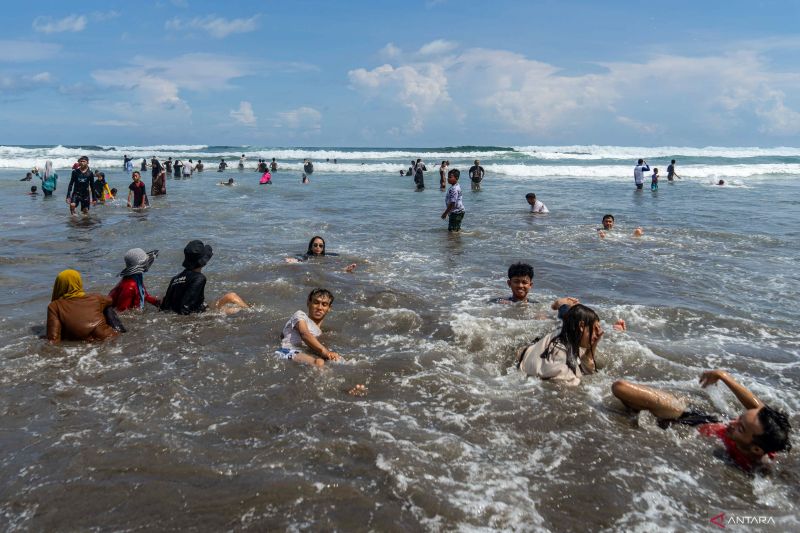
(78,319)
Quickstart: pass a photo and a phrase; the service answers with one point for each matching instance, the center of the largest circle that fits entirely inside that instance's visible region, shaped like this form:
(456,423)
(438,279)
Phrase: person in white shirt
(536,205)
(638,173)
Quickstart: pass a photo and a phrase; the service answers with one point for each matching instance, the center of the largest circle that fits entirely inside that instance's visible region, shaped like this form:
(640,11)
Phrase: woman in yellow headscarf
(74,315)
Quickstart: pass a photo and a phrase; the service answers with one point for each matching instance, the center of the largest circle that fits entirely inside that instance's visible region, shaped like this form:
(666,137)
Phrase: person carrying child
(299,340)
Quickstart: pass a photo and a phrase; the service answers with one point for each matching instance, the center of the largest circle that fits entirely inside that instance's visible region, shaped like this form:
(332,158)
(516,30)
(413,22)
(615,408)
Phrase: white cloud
(244,115)
(303,118)
(48,25)
(27,51)
(390,51)
(25,83)
(217,27)
(418,88)
(438,47)
(508,91)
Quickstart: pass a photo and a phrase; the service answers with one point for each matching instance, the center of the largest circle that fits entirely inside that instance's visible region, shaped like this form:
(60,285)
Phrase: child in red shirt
(130,291)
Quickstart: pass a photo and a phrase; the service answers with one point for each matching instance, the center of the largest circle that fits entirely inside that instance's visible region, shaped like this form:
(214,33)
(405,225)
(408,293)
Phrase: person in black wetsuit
(308,167)
(186,292)
(81,187)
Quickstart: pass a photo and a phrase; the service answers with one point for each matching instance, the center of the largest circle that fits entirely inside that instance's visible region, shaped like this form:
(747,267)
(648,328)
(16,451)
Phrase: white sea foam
(593,152)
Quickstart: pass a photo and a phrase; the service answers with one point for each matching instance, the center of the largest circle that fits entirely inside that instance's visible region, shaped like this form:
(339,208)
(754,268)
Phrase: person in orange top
(74,315)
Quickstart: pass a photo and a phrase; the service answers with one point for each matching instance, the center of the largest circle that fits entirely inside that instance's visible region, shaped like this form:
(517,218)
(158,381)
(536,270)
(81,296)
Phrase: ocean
(192,423)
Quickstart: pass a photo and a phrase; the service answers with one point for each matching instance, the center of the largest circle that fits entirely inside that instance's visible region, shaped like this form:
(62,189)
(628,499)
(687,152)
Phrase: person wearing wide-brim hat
(130,292)
(186,292)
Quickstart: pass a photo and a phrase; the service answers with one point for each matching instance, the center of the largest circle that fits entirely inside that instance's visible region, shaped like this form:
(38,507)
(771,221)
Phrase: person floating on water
(567,354)
(476,174)
(229,183)
(130,292)
(755,435)
(316,248)
(300,333)
(671,174)
(638,173)
(608,225)
(137,192)
(74,315)
(536,205)
(186,291)
(81,187)
(454,206)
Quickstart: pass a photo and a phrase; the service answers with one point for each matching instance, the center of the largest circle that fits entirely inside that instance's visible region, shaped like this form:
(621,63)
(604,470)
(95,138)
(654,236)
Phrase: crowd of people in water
(565,356)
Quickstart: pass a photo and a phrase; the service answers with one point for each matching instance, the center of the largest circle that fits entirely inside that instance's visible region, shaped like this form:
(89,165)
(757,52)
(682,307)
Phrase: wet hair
(608,216)
(520,269)
(230,181)
(776,431)
(114,192)
(454,172)
(531,195)
(320,292)
(721,182)
(310,250)
(641,161)
(33,188)
(570,335)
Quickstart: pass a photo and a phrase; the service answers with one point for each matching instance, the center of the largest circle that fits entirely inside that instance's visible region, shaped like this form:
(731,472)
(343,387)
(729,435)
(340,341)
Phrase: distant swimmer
(476,174)
(536,205)
(228,183)
(28,177)
(34,191)
(199,166)
(654,180)
(721,182)
(755,435)
(671,171)
(638,173)
(608,225)
(316,249)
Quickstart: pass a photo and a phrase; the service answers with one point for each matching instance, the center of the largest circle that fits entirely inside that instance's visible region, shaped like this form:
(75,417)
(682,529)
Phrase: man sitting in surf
(608,225)
(758,432)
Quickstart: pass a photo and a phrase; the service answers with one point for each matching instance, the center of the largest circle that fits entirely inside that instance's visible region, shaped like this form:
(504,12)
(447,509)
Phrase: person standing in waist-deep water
(127,163)
(222,165)
(443,175)
(137,192)
(158,185)
(308,167)
(144,165)
(274,165)
(49,179)
(102,191)
(178,167)
(476,175)
(81,187)
(168,165)
(671,174)
(454,202)
(536,205)
(74,315)
(241,162)
(155,167)
(188,168)
(638,173)
(654,180)
(186,291)
(419,174)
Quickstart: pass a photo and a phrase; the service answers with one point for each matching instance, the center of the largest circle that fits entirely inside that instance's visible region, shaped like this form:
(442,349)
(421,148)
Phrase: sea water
(191,422)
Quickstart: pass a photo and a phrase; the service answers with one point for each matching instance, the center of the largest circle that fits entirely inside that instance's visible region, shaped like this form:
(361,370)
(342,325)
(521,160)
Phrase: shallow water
(190,423)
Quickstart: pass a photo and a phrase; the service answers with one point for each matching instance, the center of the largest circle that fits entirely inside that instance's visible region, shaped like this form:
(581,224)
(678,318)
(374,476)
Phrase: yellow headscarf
(68,285)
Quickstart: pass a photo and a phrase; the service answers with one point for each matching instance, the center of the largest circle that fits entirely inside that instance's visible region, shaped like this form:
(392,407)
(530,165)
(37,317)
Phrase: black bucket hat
(196,254)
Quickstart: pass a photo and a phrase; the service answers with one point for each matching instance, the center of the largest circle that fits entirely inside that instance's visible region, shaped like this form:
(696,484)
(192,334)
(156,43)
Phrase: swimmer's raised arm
(742,393)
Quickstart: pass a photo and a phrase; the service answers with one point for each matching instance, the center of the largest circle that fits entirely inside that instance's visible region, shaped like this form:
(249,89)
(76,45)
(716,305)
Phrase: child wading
(137,192)
(453,201)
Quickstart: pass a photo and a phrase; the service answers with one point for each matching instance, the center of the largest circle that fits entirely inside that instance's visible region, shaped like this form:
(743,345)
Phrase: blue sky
(411,73)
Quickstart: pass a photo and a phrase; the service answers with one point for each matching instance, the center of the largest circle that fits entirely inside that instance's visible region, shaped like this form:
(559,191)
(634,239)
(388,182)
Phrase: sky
(429,73)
